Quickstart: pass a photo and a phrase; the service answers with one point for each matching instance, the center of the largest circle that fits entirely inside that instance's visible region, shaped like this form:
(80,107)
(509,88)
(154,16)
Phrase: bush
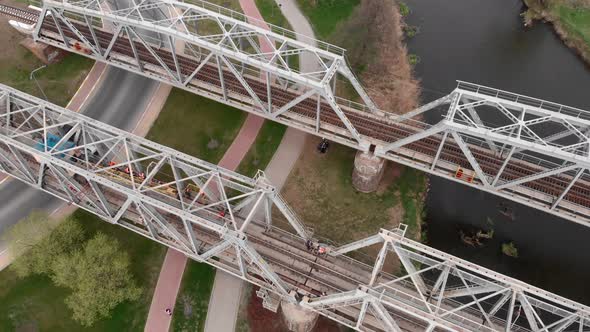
(97,271)
(38,244)
(99,278)
(509,249)
(411,31)
(404,10)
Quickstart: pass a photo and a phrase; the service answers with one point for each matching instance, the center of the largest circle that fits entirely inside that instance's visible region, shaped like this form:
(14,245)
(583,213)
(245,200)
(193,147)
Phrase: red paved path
(173,267)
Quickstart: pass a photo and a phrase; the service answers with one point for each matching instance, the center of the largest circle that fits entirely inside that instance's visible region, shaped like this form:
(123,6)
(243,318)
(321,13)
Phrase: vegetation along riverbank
(570,18)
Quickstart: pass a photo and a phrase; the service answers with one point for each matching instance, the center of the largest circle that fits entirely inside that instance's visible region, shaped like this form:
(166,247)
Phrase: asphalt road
(119,101)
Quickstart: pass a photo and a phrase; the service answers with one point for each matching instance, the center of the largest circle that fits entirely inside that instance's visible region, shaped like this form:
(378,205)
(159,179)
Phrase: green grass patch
(577,20)
(325,15)
(263,149)
(320,190)
(271,13)
(36,304)
(59,81)
(411,186)
(193,299)
(196,125)
(229,4)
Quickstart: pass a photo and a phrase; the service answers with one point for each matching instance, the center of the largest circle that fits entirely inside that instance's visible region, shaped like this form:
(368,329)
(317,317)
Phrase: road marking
(3,251)
(104,69)
(56,210)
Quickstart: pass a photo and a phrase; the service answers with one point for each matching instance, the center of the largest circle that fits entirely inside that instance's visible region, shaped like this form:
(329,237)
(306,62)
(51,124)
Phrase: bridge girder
(190,205)
(529,150)
(440,291)
(245,57)
(537,157)
(142,186)
(510,158)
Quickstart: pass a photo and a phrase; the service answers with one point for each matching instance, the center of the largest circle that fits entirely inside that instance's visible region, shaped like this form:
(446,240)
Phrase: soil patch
(263,320)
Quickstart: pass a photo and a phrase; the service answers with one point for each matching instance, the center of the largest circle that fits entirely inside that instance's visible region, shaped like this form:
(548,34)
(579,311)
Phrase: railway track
(308,273)
(25,16)
(370,127)
(376,130)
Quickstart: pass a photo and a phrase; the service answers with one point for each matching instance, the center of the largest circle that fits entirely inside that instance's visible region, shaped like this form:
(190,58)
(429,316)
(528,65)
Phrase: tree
(37,243)
(99,277)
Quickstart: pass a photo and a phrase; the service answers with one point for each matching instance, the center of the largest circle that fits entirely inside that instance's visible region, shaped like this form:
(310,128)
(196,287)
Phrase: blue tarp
(52,140)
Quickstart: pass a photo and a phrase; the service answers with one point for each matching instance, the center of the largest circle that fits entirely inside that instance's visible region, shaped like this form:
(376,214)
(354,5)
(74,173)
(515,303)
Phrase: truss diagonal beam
(373,297)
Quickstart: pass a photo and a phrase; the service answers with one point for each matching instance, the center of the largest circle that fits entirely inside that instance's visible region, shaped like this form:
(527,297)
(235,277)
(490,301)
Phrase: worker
(221,213)
(323,146)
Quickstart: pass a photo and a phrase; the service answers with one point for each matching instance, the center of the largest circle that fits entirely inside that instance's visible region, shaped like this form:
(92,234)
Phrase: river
(485,42)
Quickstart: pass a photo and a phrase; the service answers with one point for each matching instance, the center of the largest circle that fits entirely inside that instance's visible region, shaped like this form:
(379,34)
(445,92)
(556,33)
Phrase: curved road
(119,100)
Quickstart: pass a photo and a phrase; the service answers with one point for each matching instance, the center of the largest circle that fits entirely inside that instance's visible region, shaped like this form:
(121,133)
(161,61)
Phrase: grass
(229,4)
(509,249)
(571,20)
(325,15)
(196,125)
(35,304)
(577,20)
(404,10)
(271,13)
(59,81)
(263,149)
(193,299)
(320,190)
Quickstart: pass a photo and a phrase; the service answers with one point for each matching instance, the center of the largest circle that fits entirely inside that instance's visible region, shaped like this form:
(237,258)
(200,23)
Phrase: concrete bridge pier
(297,318)
(368,171)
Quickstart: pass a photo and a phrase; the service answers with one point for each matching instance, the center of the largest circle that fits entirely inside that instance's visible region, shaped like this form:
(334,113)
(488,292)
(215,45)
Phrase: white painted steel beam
(252,73)
(422,294)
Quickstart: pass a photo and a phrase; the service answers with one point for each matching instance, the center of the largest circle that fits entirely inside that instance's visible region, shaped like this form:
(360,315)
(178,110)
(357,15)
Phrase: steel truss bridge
(532,151)
(241,225)
(525,149)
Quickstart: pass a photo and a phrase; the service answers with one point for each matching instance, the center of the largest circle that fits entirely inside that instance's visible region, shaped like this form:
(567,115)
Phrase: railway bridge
(525,149)
(531,151)
(242,226)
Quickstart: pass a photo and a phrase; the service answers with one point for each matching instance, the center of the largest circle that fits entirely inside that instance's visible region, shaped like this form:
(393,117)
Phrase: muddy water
(484,41)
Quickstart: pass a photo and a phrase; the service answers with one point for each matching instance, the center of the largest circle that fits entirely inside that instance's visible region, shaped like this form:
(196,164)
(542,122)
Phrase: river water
(485,42)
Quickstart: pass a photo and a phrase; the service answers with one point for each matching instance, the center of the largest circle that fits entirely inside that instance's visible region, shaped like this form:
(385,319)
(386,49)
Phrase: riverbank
(570,19)
(319,187)
(374,38)
(492,47)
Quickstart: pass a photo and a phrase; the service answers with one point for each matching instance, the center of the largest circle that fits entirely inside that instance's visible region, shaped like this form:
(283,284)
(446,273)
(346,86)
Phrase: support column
(367,172)
(297,318)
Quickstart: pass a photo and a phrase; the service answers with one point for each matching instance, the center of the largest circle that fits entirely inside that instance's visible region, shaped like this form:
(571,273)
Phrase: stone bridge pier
(298,318)
(368,171)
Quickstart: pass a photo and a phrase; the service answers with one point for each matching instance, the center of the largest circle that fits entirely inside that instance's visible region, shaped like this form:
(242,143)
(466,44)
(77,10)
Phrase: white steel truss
(185,203)
(528,150)
(225,56)
(437,291)
(222,218)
